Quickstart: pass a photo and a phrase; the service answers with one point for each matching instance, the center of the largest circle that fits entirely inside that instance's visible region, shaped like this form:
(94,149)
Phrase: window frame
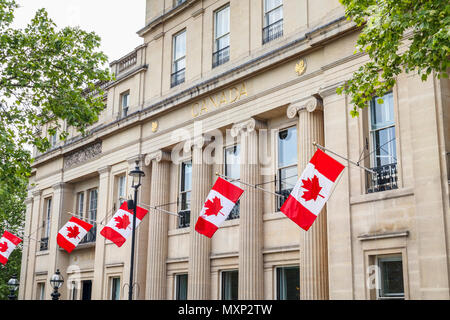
(389,257)
(112,292)
(267,25)
(278,270)
(181,211)
(235,212)
(278,168)
(177,285)
(216,39)
(174,62)
(223,282)
(124,108)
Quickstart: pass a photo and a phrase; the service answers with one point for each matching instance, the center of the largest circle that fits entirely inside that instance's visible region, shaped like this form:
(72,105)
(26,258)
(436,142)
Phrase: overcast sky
(115,21)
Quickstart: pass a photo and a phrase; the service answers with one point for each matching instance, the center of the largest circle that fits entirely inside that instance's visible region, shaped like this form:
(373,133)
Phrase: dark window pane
(182,283)
(230,285)
(87,290)
(391,273)
(288,283)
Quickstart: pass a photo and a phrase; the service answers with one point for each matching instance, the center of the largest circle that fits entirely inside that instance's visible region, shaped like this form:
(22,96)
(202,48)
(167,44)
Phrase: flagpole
(250,185)
(347,159)
(87,219)
(161,210)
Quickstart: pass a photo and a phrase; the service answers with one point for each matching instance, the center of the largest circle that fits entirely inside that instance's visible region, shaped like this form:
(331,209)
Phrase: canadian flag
(221,200)
(120,226)
(8,242)
(70,235)
(312,190)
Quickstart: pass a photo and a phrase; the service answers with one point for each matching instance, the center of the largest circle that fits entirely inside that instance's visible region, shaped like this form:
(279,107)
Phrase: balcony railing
(384,178)
(280,200)
(221,56)
(177,78)
(273,31)
(90,236)
(234,214)
(128,61)
(184,218)
(43,244)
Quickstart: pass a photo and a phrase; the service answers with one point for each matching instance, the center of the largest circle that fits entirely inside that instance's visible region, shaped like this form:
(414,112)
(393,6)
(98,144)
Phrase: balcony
(177,78)
(384,178)
(221,56)
(184,218)
(43,244)
(273,31)
(90,236)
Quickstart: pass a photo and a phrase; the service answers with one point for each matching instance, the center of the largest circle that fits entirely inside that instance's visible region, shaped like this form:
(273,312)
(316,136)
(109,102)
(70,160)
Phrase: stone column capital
(132,160)
(28,200)
(196,142)
(330,89)
(248,125)
(310,104)
(36,193)
(59,185)
(158,156)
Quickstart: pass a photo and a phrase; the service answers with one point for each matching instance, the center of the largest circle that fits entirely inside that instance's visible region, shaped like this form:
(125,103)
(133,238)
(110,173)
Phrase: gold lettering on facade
(218,100)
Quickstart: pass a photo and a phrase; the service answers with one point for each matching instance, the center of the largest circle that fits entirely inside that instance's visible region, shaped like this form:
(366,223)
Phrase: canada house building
(243,88)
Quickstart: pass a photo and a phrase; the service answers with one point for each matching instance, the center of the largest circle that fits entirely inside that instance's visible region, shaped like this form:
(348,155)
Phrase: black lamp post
(137,174)
(13,285)
(56,281)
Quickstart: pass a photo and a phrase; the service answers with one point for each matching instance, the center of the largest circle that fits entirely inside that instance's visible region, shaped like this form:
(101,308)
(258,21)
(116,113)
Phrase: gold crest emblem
(154,126)
(300,67)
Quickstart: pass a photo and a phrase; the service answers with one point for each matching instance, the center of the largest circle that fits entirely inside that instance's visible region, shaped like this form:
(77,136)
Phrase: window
(178,59)
(382,145)
(181,286)
(288,283)
(53,139)
(92,216)
(80,203)
(232,169)
(86,286)
(46,224)
(221,36)
(73,292)
(390,277)
(184,211)
(287,164)
(41,290)
(115,288)
(273,20)
(178,2)
(124,104)
(230,285)
(121,189)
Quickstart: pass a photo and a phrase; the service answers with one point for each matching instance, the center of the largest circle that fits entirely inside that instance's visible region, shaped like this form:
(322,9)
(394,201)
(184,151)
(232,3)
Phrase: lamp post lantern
(137,174)
(13,285)
(56,282)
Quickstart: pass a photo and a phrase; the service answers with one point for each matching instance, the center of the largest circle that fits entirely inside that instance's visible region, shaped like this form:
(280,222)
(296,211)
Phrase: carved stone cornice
(36,193)
(311,104)
(82,155)
(132,160)
(59,185)
(248,125)
(330,90)
(158,156)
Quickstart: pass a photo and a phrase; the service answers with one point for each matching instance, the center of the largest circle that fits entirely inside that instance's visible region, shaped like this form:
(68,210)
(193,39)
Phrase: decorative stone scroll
(82,155)
(311,104)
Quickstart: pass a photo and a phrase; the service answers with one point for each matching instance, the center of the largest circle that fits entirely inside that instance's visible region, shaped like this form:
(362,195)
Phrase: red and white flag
(70,235)
(312,190)
(221,200)
(8,242)
(120,226)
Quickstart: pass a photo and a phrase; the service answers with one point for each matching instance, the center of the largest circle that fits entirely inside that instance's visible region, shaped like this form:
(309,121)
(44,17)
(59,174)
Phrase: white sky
(115,21)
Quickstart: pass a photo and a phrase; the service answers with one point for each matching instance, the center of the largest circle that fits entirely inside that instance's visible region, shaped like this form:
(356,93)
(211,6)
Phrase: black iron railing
(384,178)
(90,236)
(221,56)
(280,200)
(234,214)
(273,31)
(43,244)
(177,78)
(184,218)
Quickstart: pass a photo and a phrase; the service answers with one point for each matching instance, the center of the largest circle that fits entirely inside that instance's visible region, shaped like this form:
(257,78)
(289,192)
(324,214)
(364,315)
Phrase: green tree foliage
(48,76)
(399,36)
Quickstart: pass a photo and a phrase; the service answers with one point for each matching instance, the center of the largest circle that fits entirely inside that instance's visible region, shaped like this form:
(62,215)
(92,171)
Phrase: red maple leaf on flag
(3,246)
(213,207)
(313,187)
(73,232)
(122,221)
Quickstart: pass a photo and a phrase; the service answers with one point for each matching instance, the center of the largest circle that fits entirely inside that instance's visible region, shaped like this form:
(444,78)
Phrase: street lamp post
(56,281)
(13,285)
(137,174)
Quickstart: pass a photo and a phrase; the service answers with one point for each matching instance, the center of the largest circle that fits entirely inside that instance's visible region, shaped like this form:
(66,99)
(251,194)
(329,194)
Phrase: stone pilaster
(102,210)
(26,248)
(156,285)
(199,271)
(251,269)
(313,243)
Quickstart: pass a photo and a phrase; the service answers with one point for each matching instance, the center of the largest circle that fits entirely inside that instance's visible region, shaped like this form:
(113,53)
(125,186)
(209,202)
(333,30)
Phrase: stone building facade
(244,88)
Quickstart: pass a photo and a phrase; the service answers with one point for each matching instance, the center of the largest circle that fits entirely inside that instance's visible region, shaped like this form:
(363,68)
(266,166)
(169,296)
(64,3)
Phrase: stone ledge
(383,195)
(377,236)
